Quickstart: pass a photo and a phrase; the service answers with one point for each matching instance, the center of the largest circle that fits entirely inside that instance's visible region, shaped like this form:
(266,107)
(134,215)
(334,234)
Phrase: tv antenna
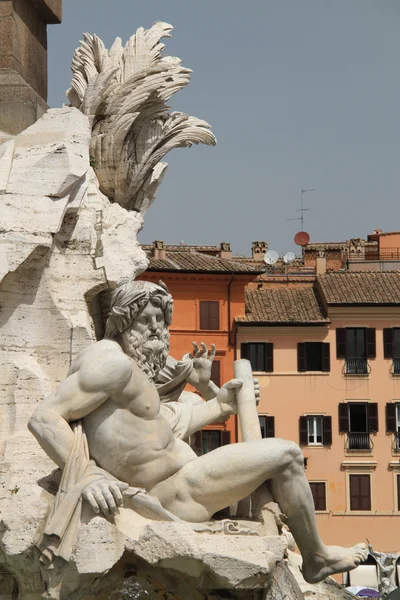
(302,210)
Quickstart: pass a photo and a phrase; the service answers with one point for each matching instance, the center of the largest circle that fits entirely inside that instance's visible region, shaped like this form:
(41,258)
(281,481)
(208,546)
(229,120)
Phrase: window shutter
(198,444)
(360,492)
(225,438)
(391,418)
(203,315)
(245,351)
(303,431)
(341,343)
(270,427)
(214,315)
(344,424)
(318,491)
(388,343)
(301,357)
(327,425)
(209,314)
(371,343)
(269,357)
(326,358)
(216,372)
(373,417)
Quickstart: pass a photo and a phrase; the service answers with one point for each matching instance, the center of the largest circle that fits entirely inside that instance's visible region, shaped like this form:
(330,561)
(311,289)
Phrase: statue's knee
(295,454)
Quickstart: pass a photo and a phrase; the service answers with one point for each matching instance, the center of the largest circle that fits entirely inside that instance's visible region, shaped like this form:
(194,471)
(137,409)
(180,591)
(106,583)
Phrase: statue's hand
(227,395)
(202,363)
(105,495)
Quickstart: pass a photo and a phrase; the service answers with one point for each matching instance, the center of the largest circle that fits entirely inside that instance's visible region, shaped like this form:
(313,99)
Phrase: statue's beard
(150,354)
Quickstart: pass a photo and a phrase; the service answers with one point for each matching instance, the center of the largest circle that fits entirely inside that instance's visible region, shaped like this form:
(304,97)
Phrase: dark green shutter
(326,358)
(269,357)
(371,343)
(391,425)
(388,343)
(341,343)
(303,431)
(344,424)
(301,357)
(373,417)
(327,431)
(270,426)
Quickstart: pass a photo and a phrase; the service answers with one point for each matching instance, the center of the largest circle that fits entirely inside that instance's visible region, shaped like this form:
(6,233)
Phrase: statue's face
(150,319)
(147,339)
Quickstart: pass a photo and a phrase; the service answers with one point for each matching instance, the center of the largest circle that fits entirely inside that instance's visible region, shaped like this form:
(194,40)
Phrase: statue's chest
(140,396)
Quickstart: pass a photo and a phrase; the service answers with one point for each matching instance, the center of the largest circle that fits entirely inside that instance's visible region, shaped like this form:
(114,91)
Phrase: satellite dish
(271,257)
(289,257)
(302,238)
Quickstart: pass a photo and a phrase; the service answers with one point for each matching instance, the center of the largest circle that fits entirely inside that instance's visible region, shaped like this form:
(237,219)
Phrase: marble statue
(386,563)
(106,427)
(74,188)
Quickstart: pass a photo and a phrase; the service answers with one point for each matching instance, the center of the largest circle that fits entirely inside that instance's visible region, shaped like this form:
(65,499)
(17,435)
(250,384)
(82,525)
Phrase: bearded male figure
(131,439)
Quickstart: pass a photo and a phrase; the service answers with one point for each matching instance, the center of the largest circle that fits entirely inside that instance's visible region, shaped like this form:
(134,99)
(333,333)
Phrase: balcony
(396,442)
(395,369)
(356,366)
(359,441)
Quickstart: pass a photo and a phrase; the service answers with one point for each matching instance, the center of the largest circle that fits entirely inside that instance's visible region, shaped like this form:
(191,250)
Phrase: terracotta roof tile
(283,306)
(343,288)
(201,263)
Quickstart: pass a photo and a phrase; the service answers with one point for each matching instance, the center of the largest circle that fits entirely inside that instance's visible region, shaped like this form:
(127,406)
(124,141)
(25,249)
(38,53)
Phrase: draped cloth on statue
(60,530)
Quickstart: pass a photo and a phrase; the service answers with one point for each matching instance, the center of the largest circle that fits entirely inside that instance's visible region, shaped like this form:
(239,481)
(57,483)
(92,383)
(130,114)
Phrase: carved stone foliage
(124,92)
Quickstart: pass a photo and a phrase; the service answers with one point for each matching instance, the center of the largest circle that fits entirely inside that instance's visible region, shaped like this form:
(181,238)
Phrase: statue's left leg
(223,477)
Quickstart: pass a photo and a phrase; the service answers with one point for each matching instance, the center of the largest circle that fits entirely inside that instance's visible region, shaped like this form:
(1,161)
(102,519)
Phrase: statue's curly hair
(130,298)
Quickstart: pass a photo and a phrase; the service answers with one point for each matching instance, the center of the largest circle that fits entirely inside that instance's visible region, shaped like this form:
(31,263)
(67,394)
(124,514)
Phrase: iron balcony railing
(373,255)
(396,441)
(359,441)
(356,366)
(395,370)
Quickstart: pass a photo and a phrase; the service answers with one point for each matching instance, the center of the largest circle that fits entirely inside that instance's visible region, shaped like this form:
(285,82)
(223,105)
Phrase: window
(391,347)
(360,492)
(358,420)
(261,356)
(318,490)
(313,356)
(267,425)
(315,430)
(209,439)
(216,372)
(209,314)
(356,345)
(393,423)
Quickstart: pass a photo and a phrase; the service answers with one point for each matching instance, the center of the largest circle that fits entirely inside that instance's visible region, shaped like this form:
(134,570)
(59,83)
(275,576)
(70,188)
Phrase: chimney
(225,250)
(321,263)
(258,250)
(158,250)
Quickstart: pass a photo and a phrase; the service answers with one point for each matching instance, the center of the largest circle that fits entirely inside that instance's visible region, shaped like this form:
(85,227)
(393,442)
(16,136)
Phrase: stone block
(50,10)
(6,8)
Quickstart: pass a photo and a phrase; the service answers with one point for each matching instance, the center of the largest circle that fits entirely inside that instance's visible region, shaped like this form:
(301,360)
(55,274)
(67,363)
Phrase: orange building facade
(328,361)
(208,288)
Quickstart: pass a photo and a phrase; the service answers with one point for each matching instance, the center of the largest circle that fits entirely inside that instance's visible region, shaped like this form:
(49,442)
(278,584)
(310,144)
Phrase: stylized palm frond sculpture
(124,91)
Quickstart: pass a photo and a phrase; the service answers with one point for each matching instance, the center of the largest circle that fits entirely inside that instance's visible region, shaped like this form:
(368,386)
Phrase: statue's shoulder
(103,362)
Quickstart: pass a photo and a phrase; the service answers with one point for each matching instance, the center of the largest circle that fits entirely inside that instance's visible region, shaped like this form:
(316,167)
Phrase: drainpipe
(230,340)
(229,309)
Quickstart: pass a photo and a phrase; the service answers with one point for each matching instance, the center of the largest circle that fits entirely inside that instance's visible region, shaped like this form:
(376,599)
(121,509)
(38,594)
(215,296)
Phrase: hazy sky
(300,94)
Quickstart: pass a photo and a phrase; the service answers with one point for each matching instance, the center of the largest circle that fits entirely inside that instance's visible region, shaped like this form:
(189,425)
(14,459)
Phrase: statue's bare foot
(333,559)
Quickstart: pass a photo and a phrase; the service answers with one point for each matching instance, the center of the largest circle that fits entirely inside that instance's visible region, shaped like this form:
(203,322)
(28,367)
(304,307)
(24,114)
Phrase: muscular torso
(129,437)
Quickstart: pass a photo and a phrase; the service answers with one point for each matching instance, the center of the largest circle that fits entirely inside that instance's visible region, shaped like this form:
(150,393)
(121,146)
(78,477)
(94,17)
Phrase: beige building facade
(328,361)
